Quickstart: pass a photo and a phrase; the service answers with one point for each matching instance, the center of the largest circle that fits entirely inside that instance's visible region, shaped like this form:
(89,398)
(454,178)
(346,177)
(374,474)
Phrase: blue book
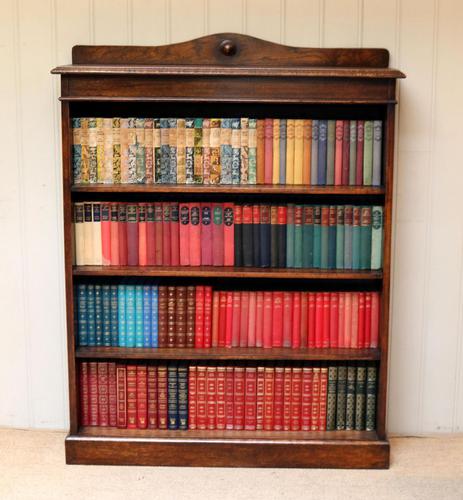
(98,316)
(130,315)
(154,316)
(91,329)
(322,142)
(146,316)
(282,151)
(122,320)
(139,316)
(314,154)
(114,316)
(106,315)
(172,397)
(82,314)
(348,219)
(182,382)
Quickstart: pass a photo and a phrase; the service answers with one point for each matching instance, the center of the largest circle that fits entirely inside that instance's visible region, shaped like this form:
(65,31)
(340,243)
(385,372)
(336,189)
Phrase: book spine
(181,316)
(190,316)
(296,398)
(264,238)
(282,153)
(142,397)
(139,340)
(290,235)
(281,231)
(368,153)
(267,323)
(225,151)
(278,399)
(365,238)
(322,146)
(93,393)
(215,319)
(348,236)
(106,315)
(87,230)
(184,233)
(323,398)
(298,152)
(311,319)
(244,151)
(276,151)
(121,395)
(221,419)
(330,152)
(315,398)
(375,315)
(162,316)
(252,151)
(304,320)
(290,151)
(207,316)
(206,138)
(252,319)
(217,235)
(211,398)
(345,152)
(259,319)
(198,152)
(154,317)
(159,237)
(182,373)
(131,396)
(229,319)
(287,398)
(132,151)
(334,319)
(274,236)
(377,139)
(106,233)
(96,234)
(247,239)
(199,317)
(360,398)
(244,319)
(338,153)
(201,398)
(98,316)
(195,234)
(174,234)
(91,316)
(142,239)
(166,241)
(192,395)
(235,142)
(78,216)
(359,156)
(269,395)
(307,236)
(256,235)
(260,152)
(215,169)
(171,317)
(82,315)
(132,235)
(206,234)
(296,321)
(370,413)
(140,166)
(331,398)
(152,396)
(314,153)
(84,394)
(250,398)
(307,151)
(317,219)
(332,230)
(350,398)
(287,315)
(149,158)
(376,237)
(76,150)
(341,398)
(306,399)
(172,397)
(162,397)
(116,150)
(150,236)
(238,398)
(189,150)
(260,398)
(228,234)
(356,237)
(268,151)
(339,237)
(352,152)
(324,225)
(92,151)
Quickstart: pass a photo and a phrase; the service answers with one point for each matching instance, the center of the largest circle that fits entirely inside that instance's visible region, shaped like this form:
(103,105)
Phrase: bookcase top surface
(229,54)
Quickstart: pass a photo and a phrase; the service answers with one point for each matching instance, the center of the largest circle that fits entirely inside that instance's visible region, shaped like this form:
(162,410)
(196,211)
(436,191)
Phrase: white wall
(424,37)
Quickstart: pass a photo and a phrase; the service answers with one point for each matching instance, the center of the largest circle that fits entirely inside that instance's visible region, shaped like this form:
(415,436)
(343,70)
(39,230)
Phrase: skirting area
(32,467)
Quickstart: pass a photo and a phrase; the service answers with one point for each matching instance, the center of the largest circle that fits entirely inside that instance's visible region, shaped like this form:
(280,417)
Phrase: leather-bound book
(250,398)
(142,397)
(190,316)
(171,316)
(121,395)
(306,398)
(162,397)
(182,383)
(192,395)
(181,316)
(269,395)
(152,389)
(131,396)
(211,397)
(172,397)
(221,420)
(162,316)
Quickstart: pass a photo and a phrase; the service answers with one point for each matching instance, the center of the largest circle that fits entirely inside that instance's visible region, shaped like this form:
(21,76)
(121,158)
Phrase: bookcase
(229,75)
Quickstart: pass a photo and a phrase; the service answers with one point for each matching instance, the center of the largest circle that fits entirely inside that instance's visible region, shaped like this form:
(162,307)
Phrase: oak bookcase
(220,75)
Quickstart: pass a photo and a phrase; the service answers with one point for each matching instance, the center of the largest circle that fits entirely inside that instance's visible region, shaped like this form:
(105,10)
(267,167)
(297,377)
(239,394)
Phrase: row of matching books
(227,151)
(228,234)
(141,315)
(269,397)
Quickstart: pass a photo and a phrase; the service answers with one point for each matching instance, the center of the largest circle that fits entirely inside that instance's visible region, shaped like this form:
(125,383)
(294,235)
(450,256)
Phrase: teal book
(340,237)
(317,219)
(360,398)
(165,153)
(154,317)
(138,316)
(332,230)
(146,316)
(140,151)
(350,397)
(348,220)
(377,237)
(130,315)
(356,215)
(314,154)
(370,412)
(225,151)
(82,335)
(106,301)
(298,236)
(377,140)
(114,316)
(98,316)
(236,150)
(330,152)
(325,217)
(365,238)
(157,150)
(172,150)
(307,236)
(341,398)
(353,153)
(368,153)
(91,328)
(290,236)
(121,316)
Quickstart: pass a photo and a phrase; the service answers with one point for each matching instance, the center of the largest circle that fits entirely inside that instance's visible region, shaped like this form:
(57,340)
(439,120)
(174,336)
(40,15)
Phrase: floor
(32,467)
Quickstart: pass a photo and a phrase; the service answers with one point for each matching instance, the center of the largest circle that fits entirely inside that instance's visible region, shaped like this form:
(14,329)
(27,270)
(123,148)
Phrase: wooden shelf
(223,353)
(225,272)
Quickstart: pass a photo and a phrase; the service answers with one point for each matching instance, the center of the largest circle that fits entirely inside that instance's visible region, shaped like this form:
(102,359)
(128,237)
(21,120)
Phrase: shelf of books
(227,253)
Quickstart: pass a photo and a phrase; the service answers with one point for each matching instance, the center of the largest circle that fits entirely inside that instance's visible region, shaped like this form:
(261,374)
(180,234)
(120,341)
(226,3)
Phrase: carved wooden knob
(228,48)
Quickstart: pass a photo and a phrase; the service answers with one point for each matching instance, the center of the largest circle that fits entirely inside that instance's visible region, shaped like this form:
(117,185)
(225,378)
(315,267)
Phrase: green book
(348,220)
(370,414)
(307,236)
(365,238)
(350,398)
(317,219)
(325,217)
(368,154)
(298,236)
(330,149)
(360,385)
(377,140)
(340,237)
(290,236)
(341,398)
(331,398)
(353,152)
(356,238)
(376,237)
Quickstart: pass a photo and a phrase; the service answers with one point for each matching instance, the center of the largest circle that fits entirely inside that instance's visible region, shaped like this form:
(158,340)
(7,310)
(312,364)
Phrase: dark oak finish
(241,74)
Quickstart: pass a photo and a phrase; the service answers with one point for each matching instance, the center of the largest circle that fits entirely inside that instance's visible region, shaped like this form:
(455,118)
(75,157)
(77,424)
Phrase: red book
(355,318)
(162,397)
(278,399)
(360,145)
(217,234)
(207,316)
(347,318)
(215,319)
(121,388)
(306,403)
(259,318)
(131,397)
(334,317)
(296,398)
(252,320)
(132,234)
(166,250)
(150,236)
(103,395)
(304,318)
(211,397)
(228,234)
(236,320)
(296,321)
(345,152)
(221,421)
(375,310)
(260,398)
(268,398)
(250,398)
(152,387)
(112,391)
(192,404)
(142,240)
(238,398)
(158,234)
(315,397)
(199,317)
(201,398)
(267,320)
(114,236)
(319,320)
(106,233)
(311,320)
(288,318)
(229,320)
(361,321)
(326,319)
(122,218)
(162,316)
(277,319)
(268,148)
(174,235)
(206,234)
(367,319)
(341,309)
(184,233)
(229,405)
(323,398)
(244,319)
(142,397)
(83,380)
(222,319)
(287,398)
(338,154)
(195,234)
(93,393)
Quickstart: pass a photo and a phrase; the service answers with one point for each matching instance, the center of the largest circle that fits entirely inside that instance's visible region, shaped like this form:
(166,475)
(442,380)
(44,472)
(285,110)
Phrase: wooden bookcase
(221,75)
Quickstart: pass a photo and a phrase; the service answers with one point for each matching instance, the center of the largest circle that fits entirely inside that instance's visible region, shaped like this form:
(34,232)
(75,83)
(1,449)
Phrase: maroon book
(142,397)
(131,396)
(229,405)
(152,387)
(83,379)
(211,397)
(250,398)
(103,395)
(260,397)
(158,234)
(132,234)
(121,387)
(174,235)
(122,230)
(162,397)
(112,391)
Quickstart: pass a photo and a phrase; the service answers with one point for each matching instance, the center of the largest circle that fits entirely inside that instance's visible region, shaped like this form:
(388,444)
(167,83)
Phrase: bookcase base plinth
(235,452)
